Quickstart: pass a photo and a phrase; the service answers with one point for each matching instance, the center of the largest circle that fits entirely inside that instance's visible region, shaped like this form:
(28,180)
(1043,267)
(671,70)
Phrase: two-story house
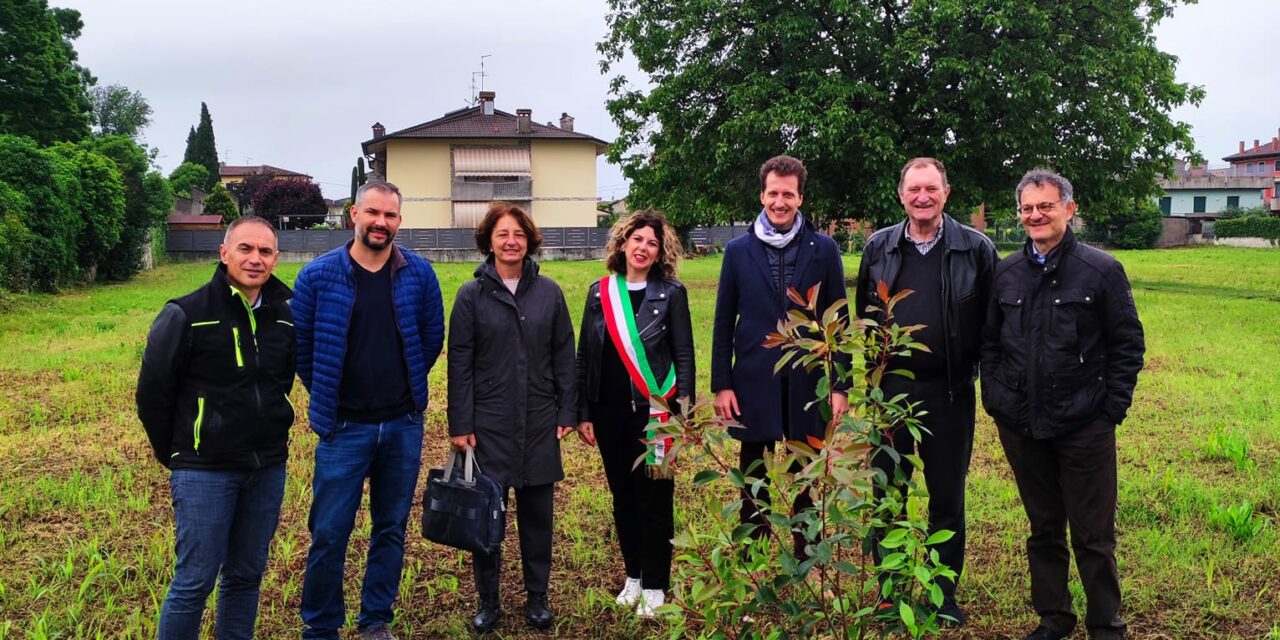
(450,169)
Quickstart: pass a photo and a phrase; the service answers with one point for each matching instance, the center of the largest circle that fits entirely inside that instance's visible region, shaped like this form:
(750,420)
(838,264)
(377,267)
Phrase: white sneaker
(650,600)
(630,593)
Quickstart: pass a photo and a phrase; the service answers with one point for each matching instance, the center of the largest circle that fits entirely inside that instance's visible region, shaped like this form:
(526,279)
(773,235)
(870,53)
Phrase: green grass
(86,527)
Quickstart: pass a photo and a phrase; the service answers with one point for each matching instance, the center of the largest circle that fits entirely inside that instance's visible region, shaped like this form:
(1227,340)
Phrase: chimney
(486,102)
(1255,144)
(379,130)
(524,120)
(1242,146)
(1275,144)
(566,122)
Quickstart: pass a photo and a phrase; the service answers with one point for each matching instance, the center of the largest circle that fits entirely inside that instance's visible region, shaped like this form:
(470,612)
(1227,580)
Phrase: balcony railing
(486,191)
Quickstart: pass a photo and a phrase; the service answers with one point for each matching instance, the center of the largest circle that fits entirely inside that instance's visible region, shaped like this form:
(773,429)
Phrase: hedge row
(1248,227)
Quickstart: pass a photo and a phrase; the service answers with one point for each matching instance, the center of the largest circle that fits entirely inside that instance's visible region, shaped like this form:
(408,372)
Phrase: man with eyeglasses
(1061,352)
(948,266)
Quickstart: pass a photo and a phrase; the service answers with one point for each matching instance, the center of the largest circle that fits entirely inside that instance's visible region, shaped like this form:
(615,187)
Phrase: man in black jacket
(948,266)
(213,395)
(1061,352)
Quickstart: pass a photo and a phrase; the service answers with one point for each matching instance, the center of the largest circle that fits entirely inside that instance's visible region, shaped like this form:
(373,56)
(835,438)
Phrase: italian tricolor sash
(621,322)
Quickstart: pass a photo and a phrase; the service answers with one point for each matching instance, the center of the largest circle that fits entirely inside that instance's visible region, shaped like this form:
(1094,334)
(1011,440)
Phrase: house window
(1248,168)
(1166,205)
(1197,205)
(1262,167)
(1233,201)
(1277,166)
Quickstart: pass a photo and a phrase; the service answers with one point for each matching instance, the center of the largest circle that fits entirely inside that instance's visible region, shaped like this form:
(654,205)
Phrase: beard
(373,244)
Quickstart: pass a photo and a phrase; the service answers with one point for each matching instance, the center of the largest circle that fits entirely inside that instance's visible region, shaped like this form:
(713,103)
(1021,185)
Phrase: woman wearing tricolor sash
(636,342)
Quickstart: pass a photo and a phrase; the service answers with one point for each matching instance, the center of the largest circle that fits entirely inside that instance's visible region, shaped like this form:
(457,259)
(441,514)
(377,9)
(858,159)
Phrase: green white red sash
(621,322)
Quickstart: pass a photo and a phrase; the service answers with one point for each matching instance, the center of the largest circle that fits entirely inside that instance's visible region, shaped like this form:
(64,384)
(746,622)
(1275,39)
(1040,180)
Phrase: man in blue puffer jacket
(370,324)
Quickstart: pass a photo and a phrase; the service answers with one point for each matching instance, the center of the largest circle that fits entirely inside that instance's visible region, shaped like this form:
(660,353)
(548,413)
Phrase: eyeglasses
(1043,207)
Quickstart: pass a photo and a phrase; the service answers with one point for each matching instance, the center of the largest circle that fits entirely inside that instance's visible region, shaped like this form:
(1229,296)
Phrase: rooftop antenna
(481,74)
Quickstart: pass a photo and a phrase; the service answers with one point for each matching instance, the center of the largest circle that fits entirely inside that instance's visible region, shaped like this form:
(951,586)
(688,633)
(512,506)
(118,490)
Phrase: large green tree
(991,87)
(42,88)
(119,111)
(50,186)
(201,148)
(187,175)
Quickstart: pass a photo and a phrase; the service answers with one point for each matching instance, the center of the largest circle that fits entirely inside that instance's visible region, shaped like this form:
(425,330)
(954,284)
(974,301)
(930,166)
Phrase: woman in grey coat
(512,395)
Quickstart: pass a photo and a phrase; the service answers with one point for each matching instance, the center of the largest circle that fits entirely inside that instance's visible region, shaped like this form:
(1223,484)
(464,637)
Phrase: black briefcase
(463,508)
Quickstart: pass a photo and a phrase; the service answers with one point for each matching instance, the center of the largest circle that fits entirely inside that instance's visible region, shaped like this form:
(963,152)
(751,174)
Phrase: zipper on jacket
(235,334)
(195,435)
(253,333)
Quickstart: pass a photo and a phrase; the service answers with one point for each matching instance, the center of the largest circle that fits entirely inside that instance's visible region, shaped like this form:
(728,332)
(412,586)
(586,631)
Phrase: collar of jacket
(487,269)
(397,256)
(953,239)
(1054,258)
(274,291)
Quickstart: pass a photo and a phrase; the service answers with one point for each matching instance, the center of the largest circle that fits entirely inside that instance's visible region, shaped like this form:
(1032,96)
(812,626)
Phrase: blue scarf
(771,236)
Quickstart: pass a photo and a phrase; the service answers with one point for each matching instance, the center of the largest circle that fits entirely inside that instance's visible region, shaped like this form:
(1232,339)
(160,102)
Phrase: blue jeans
(224,521)
(390,455)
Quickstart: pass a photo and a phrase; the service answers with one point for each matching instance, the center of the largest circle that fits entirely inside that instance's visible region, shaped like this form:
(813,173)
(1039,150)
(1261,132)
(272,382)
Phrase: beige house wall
(564,181)
(420,168)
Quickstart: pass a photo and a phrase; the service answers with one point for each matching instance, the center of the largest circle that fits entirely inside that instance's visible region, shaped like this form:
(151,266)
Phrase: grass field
(86,527)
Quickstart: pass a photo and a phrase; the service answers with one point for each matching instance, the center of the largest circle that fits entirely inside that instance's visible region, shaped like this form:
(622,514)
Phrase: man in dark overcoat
(783,251)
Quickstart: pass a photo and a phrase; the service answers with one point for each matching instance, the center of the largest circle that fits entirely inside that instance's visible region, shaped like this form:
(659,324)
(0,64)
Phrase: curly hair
(669,252)
(484,232)
(784,166)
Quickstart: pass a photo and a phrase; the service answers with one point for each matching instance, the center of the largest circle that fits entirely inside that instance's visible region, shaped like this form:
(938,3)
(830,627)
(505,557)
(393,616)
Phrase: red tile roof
(186,218)
(236,171)
(472,123)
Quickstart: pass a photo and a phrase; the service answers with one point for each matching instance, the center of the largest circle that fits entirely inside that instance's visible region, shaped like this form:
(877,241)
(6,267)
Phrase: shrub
(147,200)
(101,203)
(51,186)
(756,584)
(1137,228)
(15,240)
(220,203)
(299,201)
(1248,227)
(187,175)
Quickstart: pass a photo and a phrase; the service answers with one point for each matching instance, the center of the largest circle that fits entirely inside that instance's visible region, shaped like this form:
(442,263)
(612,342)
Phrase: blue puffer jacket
(323,295)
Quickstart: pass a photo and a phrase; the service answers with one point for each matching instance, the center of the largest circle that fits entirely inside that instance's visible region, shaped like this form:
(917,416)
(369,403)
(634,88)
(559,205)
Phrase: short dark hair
(484,241)
(379,185)
(669,253)
(922,162)
(784,166)
(1042,177)
(249,219)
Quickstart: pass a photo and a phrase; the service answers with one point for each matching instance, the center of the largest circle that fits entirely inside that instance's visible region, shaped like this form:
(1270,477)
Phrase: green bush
(101,203)
(1137,228)
(51,186)
(1248,227)
(220,203)
(15,240)
(147,201)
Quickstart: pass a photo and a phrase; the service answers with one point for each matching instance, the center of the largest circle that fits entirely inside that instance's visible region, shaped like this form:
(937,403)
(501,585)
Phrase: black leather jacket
(1062,345)
(968,262)
(665,329)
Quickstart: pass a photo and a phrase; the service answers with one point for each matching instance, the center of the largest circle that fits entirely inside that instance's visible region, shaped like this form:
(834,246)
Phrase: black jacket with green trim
(213,392)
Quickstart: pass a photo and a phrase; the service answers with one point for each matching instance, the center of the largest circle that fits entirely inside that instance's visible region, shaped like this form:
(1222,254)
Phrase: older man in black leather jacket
(948,266)
(1061,352)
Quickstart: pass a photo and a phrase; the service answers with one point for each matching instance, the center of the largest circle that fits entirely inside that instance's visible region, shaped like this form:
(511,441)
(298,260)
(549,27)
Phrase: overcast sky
(297,85)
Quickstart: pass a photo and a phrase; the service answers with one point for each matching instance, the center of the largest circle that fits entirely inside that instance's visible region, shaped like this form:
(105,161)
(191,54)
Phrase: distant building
(228,173)
(450,169)
(1261,160)
(336,207)
(1206,195)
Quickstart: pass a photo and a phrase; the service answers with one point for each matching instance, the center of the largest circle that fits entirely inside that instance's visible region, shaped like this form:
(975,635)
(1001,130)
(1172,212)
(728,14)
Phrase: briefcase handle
(469,466)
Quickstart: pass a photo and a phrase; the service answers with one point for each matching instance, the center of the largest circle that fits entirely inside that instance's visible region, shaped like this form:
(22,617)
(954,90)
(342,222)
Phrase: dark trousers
(754,503)
(946,451)
(534,508)
(1070,480)
(643,507)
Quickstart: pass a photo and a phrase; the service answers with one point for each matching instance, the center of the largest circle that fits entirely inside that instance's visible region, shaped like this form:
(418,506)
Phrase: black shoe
(488,613)
(536,612)
(1045,633)
(953,611)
